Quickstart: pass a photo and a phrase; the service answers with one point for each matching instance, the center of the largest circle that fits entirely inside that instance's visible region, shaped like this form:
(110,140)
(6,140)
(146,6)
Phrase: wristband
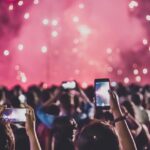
(121,118)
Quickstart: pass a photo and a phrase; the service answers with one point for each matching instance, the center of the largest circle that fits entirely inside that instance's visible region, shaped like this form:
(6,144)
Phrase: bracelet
(119,119)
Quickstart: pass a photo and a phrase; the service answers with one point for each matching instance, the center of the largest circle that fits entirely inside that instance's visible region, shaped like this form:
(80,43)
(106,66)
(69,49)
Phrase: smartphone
(102,96)
(69,85)
(14,114)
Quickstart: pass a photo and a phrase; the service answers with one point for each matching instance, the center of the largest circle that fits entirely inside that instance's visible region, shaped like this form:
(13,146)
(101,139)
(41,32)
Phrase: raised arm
(53,98)
(121,127)
(83,95)
(30,129)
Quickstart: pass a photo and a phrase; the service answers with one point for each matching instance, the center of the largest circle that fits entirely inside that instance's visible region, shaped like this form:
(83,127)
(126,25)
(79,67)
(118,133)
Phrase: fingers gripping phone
(102,96)
(14,114)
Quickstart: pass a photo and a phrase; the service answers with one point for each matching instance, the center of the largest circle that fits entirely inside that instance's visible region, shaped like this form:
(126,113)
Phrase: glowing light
(81,6)
(20,3)
(54,34)
(20,47)
(147,17)
(145,70)
(54,22)
(135,71)
(45,21)
(126,80)
(133,4)
(44,49)
(84,30)
(75,19)
(119,72)
(22,98)
(138,78)
(145,41)
(36,2)
(103,91)
(6,52)
(26,15)
(113,84)
(84,85)
(11,7)
(22,77)
(109,50)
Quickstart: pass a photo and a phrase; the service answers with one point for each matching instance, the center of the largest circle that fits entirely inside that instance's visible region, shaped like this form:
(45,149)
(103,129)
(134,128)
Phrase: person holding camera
(7,138)
(98,135)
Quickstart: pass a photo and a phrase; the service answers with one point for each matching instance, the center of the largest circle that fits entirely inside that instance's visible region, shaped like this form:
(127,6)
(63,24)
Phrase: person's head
(62,131)
(63,127)
(137,98)
(129,107)
(45,95)
(65,101)
(97,136)
(17,90)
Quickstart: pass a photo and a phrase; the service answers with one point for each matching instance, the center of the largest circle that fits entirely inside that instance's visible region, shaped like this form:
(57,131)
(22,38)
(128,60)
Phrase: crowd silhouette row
(59,119)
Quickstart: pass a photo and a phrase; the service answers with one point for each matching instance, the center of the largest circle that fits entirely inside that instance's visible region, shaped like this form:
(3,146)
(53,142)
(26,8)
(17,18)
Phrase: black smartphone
(102,96)
(69,85)
(14,114)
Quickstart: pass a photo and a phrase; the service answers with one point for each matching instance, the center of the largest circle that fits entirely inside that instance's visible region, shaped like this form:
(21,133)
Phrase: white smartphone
(14,114)
(69,85)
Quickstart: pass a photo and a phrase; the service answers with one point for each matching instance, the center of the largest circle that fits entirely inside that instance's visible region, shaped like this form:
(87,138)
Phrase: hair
(136,98)
(97,136)
(63,127)
(127,104)
(5,143)
(65,101)
(63,133)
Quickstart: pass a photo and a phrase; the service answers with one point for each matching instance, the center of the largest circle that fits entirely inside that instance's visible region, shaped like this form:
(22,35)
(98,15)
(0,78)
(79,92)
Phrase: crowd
(59,119)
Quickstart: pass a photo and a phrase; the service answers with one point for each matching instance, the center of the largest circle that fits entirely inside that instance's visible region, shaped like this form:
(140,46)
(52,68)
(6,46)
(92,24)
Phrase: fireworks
(54,41)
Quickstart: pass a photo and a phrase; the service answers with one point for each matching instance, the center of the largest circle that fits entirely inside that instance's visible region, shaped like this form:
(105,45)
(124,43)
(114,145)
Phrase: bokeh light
(26,15)
(148,17)
(6,52)
(133,4)
(11,7)
(45,21)
(20,3)
(20,47)
(36,2)
(54,22)
(126,80)
(54,34)
(44,49)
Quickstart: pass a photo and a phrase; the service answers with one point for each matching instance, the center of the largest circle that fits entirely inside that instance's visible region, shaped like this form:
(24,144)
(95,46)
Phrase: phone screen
(14,114)
(69,85)
(102,96)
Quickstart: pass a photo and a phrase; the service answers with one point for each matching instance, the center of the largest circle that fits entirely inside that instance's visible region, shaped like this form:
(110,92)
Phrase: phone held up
(69,85)
(102,96)
(15,115)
